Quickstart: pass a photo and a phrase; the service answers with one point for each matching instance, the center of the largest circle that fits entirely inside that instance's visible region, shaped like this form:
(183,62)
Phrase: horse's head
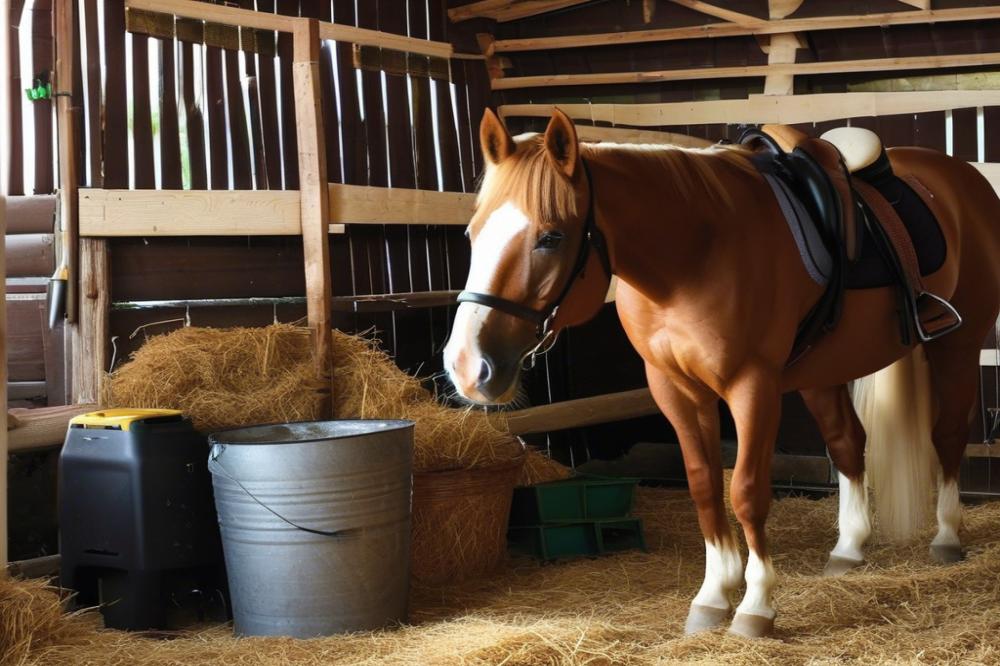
(539,262)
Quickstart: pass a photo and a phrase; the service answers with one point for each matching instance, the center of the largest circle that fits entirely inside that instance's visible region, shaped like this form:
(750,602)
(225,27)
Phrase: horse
(711,290)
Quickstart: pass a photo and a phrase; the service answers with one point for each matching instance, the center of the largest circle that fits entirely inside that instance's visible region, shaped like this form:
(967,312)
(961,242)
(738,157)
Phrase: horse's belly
(867,339)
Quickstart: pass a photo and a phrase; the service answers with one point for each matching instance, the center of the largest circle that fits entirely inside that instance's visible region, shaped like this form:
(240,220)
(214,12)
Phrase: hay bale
(460,522)
(235,377)
(31,615)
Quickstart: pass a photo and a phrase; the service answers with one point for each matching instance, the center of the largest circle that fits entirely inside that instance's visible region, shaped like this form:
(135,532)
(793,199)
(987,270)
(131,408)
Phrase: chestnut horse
(711,292)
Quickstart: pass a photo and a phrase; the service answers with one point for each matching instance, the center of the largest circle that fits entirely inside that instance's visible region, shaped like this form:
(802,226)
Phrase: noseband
(593,239)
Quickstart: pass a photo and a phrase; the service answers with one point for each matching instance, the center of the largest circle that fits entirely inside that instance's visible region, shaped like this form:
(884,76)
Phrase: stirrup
(942,323)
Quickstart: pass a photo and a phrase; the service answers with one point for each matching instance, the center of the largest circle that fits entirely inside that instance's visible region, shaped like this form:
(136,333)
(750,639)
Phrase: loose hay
(624,609)
(228,378)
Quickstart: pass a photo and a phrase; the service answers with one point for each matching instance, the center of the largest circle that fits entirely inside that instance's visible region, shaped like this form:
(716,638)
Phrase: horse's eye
(549,240)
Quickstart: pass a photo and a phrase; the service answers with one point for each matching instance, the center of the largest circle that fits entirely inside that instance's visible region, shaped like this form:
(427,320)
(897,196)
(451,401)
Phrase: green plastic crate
(582,539)
(578,499)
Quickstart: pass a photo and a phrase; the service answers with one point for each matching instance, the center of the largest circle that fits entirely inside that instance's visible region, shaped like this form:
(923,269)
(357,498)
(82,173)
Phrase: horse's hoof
(751,626)
(947,554)
(838,566)
(704,618)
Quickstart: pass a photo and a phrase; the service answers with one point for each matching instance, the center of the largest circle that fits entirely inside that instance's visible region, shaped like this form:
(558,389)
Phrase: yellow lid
(119,418)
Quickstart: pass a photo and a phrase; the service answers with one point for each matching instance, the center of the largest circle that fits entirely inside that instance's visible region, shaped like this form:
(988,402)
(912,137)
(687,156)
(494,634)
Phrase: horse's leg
(845,439)
(954,366)
(755,402)
(695,416)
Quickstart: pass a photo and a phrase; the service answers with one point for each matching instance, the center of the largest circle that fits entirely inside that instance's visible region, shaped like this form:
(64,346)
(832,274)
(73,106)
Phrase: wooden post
(63,88)
(91,332)
(314,197)
(3,379)
(781,51)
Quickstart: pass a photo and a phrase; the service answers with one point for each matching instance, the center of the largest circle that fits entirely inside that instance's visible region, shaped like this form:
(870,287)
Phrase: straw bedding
(624,609)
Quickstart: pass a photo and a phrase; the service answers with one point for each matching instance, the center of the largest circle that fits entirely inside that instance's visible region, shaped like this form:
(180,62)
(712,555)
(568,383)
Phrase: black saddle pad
(871,270)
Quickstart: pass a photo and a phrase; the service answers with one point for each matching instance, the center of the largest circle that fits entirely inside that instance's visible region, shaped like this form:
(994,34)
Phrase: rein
(593,239)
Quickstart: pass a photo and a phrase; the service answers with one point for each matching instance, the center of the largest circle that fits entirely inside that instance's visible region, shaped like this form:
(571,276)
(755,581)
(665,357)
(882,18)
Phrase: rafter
(762,28)
(719,12)
(698,73)
(508,10)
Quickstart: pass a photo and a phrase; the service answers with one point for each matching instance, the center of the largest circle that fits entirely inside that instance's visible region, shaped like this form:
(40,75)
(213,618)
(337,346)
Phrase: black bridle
(543,318)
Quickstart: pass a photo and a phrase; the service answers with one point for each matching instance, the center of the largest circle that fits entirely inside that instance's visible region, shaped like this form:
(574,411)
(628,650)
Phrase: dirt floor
(624,609)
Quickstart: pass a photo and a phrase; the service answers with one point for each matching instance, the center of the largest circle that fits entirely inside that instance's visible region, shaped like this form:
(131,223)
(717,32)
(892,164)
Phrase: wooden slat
(314,201)
(92,49)
(355,169)
(116,157)
(733,30)
(4,437)
(30,255)
(838,67)
(265,21)
(787,109)
(195,119)
(170,147)
(289,143)
(239,136)
(218,155)
(123,213)
(582,412)
(42,61)
(589,133)
(142,122)
(12,150)
(268,100)
(44,427)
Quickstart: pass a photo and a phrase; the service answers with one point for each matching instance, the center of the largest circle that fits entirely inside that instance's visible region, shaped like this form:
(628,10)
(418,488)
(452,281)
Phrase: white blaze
(501,228)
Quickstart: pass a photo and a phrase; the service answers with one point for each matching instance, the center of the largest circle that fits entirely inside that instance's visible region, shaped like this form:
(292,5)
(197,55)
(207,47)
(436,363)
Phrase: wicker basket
(460,521)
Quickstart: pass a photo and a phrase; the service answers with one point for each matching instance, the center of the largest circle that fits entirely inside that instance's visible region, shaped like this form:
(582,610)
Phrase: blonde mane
(529,180)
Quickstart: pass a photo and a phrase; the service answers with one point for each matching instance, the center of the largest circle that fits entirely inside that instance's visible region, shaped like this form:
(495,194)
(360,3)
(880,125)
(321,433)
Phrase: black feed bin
(137,524)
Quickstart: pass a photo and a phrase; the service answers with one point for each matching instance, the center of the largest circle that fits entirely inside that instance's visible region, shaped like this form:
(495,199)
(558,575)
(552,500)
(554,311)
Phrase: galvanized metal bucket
(315,522)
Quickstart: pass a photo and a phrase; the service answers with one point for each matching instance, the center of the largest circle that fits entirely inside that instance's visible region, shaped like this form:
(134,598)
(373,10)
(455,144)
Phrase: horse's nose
(485,372)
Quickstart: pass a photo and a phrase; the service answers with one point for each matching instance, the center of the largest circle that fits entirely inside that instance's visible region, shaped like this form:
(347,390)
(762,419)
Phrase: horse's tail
(894,404)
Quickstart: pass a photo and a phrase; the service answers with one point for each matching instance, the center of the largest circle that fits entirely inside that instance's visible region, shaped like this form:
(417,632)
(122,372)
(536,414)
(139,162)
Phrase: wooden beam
(919,4)
(92,332)
(36,567)
(763,28)
(591,134)
(831,67)
(508,10)
(247,18)
(779,9)
(781,51)
(314,197)
(42,428)
(756,109)
(720,12)
(109,213)
(582,412)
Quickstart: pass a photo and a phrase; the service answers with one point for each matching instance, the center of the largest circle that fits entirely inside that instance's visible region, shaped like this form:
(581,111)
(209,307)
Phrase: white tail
(894,404)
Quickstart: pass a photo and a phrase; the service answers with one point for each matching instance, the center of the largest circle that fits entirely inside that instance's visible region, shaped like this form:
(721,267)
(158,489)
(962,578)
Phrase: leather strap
(895,231)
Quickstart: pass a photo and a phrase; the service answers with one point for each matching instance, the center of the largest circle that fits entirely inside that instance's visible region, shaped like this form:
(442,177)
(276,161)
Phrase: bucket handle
(215,466)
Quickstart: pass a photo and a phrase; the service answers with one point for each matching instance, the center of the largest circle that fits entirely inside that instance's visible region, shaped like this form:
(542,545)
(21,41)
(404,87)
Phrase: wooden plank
(42,61)
(781,51)
(734,30)
(4,438)
(170,146)
(838,67)
(314,199)
(27,329)
(188,212)
(352,204)
(11,151)
(115,152)
(264,21)
(710,9)
(355,169)
(142,119)
(787,109)
(30,214)
(289,145)
(268,100)
(91,51)
(195,119)
(91,336)
(41,428)
(239,137)
(592,134)
(582,412)
(218,150)
(47,565)
(30,255)
(508,10)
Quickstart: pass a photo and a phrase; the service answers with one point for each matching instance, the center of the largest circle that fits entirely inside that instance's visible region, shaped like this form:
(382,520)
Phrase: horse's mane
(530,181)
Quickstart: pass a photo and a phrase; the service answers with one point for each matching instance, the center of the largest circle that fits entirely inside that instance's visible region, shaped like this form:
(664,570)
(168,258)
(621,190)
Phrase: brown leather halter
(543,318)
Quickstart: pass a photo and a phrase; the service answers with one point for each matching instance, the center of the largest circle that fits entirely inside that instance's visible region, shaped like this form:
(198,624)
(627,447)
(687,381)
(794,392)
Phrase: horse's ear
(494,137)
(561,142)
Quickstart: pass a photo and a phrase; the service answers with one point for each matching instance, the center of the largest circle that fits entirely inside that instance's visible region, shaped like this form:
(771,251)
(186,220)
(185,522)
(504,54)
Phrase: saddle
(825,190)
